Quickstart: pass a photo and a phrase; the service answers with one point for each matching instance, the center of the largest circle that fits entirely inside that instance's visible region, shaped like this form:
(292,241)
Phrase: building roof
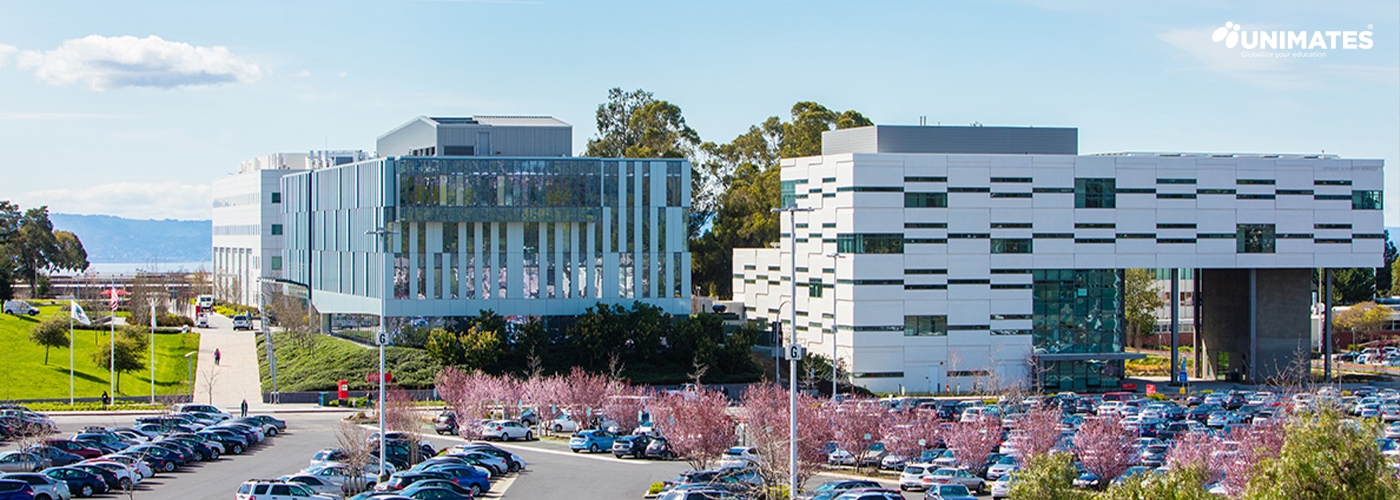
(1294,156)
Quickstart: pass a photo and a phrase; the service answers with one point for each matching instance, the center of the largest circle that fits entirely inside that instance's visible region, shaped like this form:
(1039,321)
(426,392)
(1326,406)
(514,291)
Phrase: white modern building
(459,215)
(247,220)
(946,258)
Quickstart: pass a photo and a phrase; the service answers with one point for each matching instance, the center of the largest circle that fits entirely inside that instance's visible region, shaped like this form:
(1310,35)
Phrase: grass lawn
(318,365)
(29,378)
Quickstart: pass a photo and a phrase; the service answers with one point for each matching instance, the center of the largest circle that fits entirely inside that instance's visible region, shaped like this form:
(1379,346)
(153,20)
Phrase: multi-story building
(938,258)
(459,215)
(247,221)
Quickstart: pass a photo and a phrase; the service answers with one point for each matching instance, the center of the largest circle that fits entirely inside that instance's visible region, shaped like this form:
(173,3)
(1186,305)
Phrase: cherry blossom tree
(1257,443)
(1036,433)
(625,404)
(973,441)
(1194,450)
(857,426)
(910,433)
(1104,447)
(697,427)
(765,419)
(582,394)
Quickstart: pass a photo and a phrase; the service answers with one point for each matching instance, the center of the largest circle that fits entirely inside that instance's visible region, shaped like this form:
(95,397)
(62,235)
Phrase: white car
(340,475)
(242,322)
(45,487)
(912,477)
(20,308)
(142,468)
(505,430)
(204,410)
(128,477)
(564,424)
(317,485)
(276,490)
(739,457)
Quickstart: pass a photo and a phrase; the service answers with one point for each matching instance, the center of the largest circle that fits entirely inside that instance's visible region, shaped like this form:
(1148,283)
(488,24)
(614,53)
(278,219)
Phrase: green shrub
(92,406)
(655,488)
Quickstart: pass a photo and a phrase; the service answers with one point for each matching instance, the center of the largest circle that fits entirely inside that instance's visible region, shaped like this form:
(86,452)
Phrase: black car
(280,424)
(203,451)
(445,423)
(1201,413)
(949,411)
(660,449)
(56,456)
(82,483)
(635,446)
(232,443)
(511,463)
(401,480)
(156,463)
(112,480)
(1235,402)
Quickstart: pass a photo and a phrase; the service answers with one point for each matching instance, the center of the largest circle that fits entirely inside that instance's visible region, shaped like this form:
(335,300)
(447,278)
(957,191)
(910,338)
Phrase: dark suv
(445,423)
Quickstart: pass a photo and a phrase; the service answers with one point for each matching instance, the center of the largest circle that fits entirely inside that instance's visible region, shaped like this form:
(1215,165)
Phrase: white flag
(77,313)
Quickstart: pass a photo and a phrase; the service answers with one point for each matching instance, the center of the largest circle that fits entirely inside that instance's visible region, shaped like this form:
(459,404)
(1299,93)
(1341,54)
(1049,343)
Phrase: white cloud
(104,63)
(342,74)
(304,73)
(5,51)
(160,200)
(1270,72)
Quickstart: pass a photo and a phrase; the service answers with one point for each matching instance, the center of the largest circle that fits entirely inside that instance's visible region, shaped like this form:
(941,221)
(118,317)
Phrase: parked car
(660,448)
(20,308)
(958,476)
(634,445)
(829,490)
(142,468)
(870,494)
(82,483)
(740,457)
(445,423)
(276,490)
(949,492)
(506,430)
(21,461)
(318,485)
(564,424)
(401,480)
(1003,466)
(242,322)
(1002,487)
(55,455)
(15,490)
(594,441)
(912,477)
(44,487)
(209,410)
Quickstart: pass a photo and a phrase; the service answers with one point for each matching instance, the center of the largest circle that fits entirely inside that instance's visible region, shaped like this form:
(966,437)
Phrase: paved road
(236,376)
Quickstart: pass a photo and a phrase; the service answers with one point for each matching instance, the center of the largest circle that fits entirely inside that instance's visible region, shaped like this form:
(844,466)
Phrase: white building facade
(247,221)
(928,270)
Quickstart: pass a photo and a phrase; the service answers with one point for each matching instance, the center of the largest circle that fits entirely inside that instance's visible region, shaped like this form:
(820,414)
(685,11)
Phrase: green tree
(637,125)
(445,347)
(1353,285)
(1385,277)
(738,185)
(52,332)
(35,247)
(128,355)
(70,255)
(1142,296)
(1048,477)
(1175,484)
(480,348)
(1325,457)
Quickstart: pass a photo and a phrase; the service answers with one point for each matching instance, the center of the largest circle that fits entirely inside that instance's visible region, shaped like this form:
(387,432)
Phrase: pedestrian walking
(243,408)
(217,355)
(106,400)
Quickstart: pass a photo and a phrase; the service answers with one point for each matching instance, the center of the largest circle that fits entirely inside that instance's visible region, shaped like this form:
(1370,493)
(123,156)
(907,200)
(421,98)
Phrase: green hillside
(28,377)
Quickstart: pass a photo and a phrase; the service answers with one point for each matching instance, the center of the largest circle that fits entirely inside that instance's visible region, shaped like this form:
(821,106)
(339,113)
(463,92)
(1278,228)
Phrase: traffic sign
(383,339)
(1182,376)
(1151,389)
(374,378)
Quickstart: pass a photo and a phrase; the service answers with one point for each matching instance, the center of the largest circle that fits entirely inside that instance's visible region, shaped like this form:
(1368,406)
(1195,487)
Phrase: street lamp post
(835,327)
(792,350)
(381,233)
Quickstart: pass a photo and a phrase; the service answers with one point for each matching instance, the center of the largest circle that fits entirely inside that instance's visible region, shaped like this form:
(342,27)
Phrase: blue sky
(139,127)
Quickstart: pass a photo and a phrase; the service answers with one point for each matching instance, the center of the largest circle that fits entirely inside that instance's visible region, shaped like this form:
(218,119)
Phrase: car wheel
(41,496)
(86,491)
(476,491)
(593,448)
(169,467)
(514,466)
(558,428)
(575,450)
(237,449)
(529,436)
(272,432)
(126,483)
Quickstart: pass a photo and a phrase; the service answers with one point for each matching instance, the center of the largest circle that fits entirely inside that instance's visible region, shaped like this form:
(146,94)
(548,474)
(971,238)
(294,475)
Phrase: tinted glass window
(280,489)
(261,489)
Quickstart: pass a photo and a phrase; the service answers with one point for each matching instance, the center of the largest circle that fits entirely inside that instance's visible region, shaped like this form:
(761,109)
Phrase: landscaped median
(310,362)
(31,378)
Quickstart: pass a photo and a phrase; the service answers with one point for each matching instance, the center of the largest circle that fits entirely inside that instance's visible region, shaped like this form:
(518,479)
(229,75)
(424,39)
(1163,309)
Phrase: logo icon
(1230,33)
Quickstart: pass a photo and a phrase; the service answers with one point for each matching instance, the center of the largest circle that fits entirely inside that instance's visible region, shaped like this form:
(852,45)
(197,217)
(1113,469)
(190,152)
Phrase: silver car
(45,487)
(20,461)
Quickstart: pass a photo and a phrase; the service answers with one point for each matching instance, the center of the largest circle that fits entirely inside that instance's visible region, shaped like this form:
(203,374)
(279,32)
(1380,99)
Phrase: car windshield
(913,470)
(953,490)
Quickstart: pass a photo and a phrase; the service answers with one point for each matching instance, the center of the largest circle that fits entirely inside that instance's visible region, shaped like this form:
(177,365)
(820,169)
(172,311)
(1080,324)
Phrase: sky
(134,108)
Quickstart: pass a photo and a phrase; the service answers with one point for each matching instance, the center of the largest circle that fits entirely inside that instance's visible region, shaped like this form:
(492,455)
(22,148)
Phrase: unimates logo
(1232,35)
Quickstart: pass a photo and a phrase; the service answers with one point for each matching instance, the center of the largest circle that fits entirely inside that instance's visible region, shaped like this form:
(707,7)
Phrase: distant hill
(114,239)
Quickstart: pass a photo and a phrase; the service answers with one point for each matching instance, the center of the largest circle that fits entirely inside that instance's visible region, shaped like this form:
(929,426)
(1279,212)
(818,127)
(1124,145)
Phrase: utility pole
(792,349)
(383,338)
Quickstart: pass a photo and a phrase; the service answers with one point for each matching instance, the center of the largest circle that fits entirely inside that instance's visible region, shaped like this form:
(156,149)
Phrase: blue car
(15,490)
(82,483)
(593,441)
(466,477)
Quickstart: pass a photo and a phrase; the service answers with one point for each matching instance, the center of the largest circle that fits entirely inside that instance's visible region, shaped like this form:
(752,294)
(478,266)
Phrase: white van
(20,308)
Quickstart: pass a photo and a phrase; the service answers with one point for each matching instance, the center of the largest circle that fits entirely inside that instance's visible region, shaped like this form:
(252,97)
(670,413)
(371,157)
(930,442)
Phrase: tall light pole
(382,234)
(835,327)
(792,349)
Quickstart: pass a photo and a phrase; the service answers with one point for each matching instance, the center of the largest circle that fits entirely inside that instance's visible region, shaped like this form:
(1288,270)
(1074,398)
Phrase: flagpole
(71,312)
(112,346)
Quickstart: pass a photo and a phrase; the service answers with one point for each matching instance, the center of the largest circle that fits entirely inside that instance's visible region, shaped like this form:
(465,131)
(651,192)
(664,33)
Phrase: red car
(74,447)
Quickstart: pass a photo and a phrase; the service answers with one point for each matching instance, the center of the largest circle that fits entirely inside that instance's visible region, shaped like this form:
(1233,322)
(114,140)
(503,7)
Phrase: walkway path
(236,376)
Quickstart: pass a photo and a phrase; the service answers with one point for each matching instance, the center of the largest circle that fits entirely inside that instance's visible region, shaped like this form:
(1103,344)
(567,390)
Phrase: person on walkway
(216,356)
(106,400)
(243,408)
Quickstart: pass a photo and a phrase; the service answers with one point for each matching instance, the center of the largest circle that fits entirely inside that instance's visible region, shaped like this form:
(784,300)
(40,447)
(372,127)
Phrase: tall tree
(52,332)
(70,256)
(35,248)
(9,229)
(1354,285)
(1141,298)
(1385,280)
(738,184)
(637,125)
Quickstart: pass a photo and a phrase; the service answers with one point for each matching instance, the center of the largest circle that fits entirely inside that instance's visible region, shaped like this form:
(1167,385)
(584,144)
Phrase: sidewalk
(236,376)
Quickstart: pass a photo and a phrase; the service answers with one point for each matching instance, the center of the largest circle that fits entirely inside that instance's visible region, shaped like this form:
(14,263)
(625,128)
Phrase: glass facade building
(519,236)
